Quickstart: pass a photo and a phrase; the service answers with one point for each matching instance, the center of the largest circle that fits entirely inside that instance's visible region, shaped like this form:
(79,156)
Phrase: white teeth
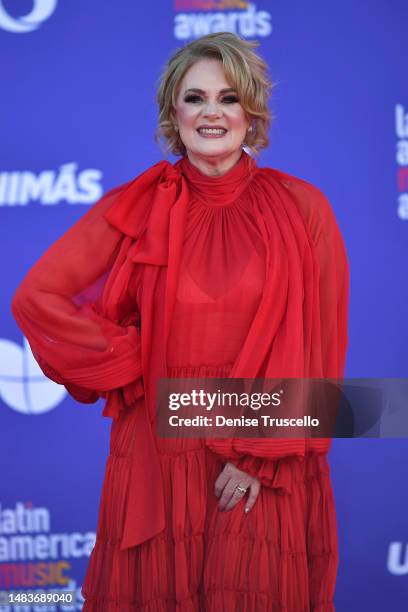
(212,131)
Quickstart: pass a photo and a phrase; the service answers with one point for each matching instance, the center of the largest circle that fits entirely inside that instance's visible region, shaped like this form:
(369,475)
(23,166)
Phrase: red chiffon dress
(283,554)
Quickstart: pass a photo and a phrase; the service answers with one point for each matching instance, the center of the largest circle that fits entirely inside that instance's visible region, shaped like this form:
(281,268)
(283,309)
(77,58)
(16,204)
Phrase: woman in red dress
(209,267)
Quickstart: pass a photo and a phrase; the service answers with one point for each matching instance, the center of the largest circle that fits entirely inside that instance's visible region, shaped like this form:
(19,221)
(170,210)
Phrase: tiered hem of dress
(281,556)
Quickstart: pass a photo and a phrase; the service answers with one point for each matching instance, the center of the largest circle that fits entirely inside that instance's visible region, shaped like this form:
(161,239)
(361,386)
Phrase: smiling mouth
(211,132)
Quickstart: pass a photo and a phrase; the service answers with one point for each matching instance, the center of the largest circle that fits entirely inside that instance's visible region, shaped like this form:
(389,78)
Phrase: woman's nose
(212,109)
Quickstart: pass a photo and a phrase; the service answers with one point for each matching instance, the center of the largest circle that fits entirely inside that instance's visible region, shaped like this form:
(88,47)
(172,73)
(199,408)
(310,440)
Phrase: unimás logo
(397,562)
(23,386)
(195,18)
(66,184)
(41,10)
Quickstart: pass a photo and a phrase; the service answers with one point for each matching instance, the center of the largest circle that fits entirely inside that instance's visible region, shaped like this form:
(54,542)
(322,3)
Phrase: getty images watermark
(282,408)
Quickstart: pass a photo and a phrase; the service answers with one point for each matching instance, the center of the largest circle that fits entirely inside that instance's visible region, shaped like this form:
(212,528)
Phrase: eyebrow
(196,90)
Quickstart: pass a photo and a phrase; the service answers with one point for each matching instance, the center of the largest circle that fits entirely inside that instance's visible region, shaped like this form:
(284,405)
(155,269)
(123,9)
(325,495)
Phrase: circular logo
(23,386)
(42,9)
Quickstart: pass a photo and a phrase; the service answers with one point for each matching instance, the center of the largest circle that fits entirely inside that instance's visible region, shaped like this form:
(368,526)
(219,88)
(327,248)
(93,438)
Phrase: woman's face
(206,99)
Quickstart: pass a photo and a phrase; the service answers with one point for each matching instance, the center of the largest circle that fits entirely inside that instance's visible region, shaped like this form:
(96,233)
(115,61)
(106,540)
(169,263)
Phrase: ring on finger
(240,489)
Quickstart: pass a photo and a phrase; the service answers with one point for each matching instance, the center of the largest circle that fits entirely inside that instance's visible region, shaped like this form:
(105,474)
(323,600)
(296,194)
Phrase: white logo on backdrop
(27,541)
(397,562)
(401,129)
(51,186)
(23,386)
(250,22)
(42,10)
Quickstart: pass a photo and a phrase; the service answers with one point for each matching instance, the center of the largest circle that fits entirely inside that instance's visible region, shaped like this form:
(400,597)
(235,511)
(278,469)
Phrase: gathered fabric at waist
(200,371)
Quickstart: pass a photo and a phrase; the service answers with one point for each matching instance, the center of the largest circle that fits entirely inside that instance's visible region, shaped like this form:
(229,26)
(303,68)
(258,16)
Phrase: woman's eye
(227,99)
(191,98)
(230,99)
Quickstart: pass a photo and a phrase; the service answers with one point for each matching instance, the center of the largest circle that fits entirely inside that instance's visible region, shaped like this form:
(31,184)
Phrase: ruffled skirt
(281,556)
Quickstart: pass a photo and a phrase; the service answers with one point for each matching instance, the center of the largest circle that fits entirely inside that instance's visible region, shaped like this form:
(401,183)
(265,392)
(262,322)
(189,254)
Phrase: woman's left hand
(225,488)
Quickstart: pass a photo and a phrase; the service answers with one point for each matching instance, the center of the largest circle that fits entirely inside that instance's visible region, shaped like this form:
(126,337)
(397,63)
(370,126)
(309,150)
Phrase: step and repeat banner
(78,114)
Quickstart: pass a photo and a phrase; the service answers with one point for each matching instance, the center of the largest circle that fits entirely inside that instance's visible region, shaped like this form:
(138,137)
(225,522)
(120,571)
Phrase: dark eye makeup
(228,99)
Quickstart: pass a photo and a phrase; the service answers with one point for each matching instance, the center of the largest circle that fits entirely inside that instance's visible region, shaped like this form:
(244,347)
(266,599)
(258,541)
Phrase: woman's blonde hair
(244,69)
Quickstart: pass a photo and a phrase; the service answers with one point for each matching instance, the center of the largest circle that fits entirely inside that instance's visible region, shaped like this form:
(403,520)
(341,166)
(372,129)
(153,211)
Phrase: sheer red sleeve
(334,281)
(57,307)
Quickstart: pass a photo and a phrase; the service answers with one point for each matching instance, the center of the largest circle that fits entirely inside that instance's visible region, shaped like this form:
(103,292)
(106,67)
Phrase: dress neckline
(221,190)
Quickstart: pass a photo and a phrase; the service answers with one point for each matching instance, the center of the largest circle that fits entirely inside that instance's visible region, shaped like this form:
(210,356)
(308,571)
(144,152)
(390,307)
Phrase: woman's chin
(213,149)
